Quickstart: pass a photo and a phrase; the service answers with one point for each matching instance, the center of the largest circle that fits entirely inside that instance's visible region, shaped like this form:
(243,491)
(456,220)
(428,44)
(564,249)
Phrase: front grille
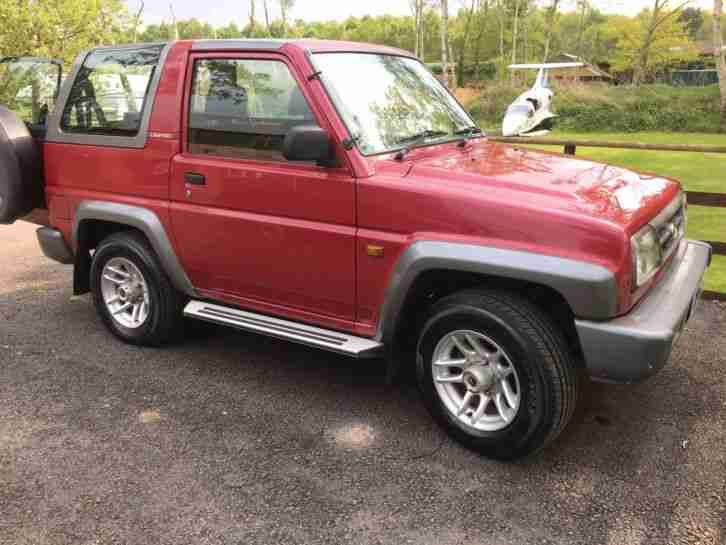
(670,226)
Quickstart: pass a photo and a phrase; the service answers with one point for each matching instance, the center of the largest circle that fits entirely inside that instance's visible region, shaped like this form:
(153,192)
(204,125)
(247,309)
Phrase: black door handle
(194,178)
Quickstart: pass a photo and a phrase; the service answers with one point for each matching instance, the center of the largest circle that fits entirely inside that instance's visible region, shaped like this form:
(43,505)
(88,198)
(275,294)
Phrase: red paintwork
(499,195)
(291,239)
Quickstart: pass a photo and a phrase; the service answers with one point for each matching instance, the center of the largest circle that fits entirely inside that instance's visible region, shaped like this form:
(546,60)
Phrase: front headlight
(647,255)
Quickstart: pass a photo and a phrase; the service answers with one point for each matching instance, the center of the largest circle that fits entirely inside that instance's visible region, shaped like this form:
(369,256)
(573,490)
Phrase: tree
(445,42)
(421,20)
(654,21)
(706,31)
(583,7)
(550,27)
(252,17)
(194,29)
(418,15)
(464,22)
(692,18)
(587,35)
(720,52)
(643,50)
(137,21)
(228,32)
(483,24)
(502,25)
(174,26)
(62,28)
(515,26)
(267,15)
(285,8)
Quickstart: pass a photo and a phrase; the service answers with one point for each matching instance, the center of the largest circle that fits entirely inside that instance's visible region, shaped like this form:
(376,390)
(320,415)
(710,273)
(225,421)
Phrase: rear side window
(110,92)
(243,108)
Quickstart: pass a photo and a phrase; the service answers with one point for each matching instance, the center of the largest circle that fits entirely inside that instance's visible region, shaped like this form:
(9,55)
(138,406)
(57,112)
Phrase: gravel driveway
(238,439)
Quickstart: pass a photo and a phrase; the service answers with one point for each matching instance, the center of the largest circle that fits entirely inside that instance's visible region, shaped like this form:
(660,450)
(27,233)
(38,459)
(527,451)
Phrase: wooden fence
(697,198)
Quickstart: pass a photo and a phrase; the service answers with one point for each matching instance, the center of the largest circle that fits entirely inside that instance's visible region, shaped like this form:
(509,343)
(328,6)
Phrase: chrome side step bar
(334,341)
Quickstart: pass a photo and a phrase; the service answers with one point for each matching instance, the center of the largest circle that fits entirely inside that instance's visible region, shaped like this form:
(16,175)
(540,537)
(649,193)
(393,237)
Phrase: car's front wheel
(496,373)
(132,293)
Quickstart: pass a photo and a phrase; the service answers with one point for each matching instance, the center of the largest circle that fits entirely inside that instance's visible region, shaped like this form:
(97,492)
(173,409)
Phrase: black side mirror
(308,143)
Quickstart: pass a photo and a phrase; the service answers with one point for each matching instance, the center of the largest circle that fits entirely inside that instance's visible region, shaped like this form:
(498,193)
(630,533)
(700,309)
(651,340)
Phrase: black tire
(166,303)
(536,348)
(21,179)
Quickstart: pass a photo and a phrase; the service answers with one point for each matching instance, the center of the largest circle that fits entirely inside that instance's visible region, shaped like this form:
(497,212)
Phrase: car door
(250,226)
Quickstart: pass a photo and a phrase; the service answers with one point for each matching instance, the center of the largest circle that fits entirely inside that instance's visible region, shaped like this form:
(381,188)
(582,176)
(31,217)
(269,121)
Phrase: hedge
(603,108)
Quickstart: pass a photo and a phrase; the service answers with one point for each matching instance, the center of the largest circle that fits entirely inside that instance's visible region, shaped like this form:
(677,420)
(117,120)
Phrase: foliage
(720,56)
(646,108)
(705,33)
(586,108)
(60,29)
(583,35)
(482,33)
(669,44)
(28,88)
(190,29)
(490,105)
(692,19)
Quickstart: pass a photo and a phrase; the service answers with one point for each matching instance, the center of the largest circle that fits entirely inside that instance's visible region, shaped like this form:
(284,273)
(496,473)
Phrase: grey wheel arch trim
(145,221)
(589,289)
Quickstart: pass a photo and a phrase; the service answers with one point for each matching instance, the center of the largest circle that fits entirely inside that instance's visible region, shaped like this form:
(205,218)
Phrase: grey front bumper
(636,346)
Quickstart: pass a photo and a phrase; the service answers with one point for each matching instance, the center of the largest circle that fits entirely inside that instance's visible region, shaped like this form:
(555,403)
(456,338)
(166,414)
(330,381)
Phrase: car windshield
(388,101)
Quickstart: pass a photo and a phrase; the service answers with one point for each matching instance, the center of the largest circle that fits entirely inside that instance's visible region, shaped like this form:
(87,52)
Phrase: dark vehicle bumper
(54,245)
(636,346)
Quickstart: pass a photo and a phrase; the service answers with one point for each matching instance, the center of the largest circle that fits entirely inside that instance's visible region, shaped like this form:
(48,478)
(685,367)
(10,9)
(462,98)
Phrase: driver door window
(243,108)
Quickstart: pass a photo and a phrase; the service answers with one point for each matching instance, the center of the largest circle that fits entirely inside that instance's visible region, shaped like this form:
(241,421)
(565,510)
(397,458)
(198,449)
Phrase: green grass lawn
(697,172)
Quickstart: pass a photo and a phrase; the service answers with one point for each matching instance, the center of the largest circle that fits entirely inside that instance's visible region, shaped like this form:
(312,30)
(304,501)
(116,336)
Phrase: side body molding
(589,289)
(145,221)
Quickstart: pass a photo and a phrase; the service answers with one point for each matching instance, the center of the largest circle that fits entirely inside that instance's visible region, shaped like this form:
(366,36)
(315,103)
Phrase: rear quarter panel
(137,176)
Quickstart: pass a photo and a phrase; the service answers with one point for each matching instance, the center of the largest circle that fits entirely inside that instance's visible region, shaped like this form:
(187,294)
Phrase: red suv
(337,195)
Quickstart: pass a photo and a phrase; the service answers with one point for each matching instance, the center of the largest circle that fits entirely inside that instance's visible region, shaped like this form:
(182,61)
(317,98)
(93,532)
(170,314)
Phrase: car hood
(552,180)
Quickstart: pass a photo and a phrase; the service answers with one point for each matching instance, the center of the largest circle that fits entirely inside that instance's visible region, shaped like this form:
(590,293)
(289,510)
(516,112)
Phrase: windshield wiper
(423,135)
(416,139)
(468,133)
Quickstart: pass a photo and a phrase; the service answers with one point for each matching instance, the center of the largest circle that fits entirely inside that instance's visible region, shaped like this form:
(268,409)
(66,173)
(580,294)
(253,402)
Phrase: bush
(493,100)
(598,107)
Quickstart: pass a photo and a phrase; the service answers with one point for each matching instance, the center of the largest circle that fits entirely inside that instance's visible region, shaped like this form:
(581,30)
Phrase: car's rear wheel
(496,373)
(125,293)
(132,293)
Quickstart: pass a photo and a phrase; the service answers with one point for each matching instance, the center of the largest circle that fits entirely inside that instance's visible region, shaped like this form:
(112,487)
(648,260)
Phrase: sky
(221,12)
